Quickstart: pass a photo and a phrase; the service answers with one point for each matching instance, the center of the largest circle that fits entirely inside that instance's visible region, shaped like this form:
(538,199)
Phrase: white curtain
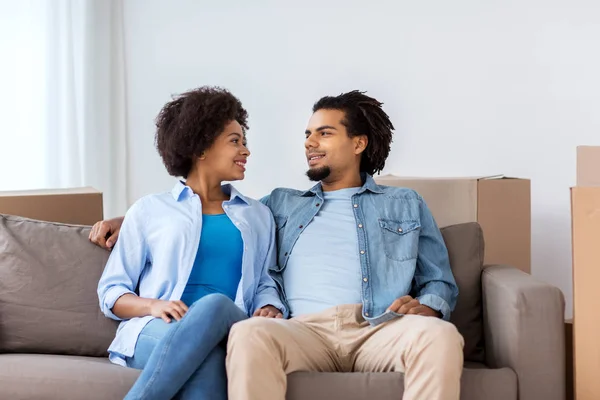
(62,97)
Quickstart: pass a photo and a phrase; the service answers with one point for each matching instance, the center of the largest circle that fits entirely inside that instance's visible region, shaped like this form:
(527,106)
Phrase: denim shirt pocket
(400,239)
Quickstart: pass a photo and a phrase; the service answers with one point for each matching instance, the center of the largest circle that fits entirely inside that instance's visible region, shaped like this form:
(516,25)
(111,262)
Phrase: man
(363,269)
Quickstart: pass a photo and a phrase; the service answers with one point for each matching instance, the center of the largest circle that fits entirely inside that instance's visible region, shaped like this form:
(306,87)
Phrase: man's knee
(252,335)
(438,333)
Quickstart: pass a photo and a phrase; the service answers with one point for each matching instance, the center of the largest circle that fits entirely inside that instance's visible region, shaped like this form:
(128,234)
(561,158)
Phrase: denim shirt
(401,249)
(156,249)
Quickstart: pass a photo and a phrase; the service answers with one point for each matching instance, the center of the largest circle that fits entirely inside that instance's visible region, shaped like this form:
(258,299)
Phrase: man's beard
(318,174)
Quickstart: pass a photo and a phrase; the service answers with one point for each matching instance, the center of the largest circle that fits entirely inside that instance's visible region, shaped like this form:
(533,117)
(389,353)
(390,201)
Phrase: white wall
(473,87)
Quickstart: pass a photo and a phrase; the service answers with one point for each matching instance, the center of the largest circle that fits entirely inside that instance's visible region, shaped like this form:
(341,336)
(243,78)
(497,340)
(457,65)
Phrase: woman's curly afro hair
(189,124)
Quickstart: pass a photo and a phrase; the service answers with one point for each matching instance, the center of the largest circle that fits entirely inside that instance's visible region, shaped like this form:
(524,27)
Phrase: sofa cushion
(40,377)
(465,247)
(475,384)
(49,275)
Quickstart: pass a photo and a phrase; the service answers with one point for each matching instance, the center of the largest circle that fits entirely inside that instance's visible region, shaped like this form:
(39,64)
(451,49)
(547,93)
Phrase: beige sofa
(53,338)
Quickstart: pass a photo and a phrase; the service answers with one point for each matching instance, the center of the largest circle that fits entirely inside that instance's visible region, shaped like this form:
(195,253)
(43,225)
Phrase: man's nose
(311,142)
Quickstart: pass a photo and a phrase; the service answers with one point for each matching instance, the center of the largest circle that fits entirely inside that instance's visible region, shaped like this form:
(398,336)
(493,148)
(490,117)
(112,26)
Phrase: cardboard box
(502,206)
(82,206)
(588,166)
(585,213)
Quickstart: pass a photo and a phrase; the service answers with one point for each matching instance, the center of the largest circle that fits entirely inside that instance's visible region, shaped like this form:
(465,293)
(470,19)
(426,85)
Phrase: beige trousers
(261,352)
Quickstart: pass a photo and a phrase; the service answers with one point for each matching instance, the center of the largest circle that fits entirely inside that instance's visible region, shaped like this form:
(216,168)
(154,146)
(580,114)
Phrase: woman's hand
(168,309)
(268,312)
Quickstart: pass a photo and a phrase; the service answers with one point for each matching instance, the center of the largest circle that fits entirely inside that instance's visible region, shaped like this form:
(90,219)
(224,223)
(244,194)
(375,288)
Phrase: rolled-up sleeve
(126,262)
(267,293)
(435,284)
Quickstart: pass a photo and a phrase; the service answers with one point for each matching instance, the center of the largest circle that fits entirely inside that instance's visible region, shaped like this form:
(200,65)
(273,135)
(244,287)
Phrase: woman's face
(226,158)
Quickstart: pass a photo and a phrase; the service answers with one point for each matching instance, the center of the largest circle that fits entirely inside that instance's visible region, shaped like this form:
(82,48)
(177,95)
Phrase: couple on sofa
(220,294)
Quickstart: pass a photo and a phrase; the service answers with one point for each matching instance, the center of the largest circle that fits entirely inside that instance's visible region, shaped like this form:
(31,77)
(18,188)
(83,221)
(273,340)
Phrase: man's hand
(109,228)
(168,309)
(268,312)
(406,305)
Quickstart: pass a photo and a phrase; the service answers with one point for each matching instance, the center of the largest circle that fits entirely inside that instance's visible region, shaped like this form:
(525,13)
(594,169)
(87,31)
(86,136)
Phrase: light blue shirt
(324,269)
(400,247)
(156,249)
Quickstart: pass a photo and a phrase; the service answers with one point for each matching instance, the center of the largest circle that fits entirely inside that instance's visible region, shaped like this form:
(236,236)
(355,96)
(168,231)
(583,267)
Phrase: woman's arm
(130,306)
(116,289)
(125,264)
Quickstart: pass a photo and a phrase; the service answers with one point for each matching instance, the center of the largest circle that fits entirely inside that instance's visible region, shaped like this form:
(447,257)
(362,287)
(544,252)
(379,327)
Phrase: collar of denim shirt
(369,184)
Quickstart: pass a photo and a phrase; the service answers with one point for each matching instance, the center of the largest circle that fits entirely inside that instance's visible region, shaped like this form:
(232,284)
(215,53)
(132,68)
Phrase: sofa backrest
(466,246)
(49,274)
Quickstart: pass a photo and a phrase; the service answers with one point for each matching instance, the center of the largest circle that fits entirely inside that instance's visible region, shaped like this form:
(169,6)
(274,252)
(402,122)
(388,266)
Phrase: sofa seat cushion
(31,376)
(40,377)
(478,382)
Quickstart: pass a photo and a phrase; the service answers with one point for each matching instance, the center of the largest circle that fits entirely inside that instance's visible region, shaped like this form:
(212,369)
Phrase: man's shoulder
(397,192)
(285,199)
(286,193)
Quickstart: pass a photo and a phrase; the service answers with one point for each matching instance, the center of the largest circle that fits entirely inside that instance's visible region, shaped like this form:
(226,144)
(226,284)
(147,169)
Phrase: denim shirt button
(360,225)
(356,206)
(362,252)
(365,279)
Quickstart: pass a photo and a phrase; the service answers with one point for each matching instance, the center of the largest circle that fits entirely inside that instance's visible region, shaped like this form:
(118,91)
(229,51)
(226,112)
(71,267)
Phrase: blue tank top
(218,264)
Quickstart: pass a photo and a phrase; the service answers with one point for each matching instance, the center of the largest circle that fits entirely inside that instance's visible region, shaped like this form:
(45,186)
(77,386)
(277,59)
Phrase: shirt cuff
(436,303)
(110,298)
(262,301)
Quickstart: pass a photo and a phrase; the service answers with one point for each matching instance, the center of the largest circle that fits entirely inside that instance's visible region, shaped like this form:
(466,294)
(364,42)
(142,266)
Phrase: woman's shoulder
(150,201)
(258,209)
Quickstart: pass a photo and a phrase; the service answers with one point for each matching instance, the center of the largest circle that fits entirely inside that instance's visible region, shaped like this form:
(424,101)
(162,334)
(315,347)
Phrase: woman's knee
(213,300)
(215,309)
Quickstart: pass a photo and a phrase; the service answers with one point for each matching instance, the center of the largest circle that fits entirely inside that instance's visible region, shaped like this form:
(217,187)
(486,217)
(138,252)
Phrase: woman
(191,262)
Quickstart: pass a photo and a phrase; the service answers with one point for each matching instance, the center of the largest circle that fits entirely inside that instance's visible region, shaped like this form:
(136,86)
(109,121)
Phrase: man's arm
(105,233)
(267,293)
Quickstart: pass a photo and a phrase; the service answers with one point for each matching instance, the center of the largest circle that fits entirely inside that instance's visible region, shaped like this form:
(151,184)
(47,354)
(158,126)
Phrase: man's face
(330,152)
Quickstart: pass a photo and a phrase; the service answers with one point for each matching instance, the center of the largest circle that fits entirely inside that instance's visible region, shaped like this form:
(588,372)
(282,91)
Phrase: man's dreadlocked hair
(364,116)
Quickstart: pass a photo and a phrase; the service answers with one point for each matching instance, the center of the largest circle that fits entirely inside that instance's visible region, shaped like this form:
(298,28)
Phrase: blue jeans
(185,359)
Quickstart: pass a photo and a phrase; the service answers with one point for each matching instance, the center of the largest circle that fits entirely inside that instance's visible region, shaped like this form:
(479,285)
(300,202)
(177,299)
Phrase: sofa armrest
(524,330)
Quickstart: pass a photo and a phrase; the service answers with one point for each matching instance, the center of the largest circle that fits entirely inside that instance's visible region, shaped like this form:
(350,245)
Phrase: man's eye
(324,133)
